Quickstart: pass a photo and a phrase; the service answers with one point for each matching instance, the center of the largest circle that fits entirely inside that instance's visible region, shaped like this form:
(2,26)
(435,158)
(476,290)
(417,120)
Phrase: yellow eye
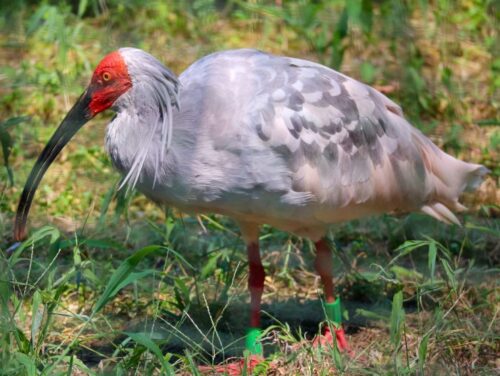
(106,76)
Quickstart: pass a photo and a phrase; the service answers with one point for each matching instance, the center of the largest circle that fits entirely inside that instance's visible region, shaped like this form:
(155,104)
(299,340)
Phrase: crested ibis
(262,139)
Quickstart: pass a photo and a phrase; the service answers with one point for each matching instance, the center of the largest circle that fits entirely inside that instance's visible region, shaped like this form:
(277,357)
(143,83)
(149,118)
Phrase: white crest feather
(156,93)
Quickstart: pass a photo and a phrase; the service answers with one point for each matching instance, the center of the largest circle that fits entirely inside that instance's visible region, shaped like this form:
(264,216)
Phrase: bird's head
(114,76)
(110,80)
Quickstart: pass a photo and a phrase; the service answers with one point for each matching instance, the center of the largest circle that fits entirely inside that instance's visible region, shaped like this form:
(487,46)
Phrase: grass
(109,284)
(425,305)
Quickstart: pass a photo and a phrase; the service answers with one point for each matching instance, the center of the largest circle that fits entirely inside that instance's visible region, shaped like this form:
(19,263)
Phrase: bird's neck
(138,139)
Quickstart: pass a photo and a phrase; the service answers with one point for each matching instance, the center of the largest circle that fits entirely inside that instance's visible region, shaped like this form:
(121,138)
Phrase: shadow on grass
(194,332)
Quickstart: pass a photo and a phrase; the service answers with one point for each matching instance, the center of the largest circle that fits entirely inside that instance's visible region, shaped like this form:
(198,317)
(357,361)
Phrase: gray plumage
(277,140)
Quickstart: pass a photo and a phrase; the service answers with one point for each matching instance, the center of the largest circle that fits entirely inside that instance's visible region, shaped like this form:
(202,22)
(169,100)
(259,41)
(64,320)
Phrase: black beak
(73,121)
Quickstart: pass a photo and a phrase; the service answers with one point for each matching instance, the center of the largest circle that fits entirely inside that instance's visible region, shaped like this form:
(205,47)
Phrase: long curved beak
(74,120)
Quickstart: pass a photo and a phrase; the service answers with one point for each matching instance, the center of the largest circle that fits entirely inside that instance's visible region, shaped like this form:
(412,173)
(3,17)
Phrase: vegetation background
(109,284)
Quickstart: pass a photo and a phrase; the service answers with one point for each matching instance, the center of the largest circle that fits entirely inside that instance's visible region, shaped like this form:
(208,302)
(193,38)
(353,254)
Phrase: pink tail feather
(449,178)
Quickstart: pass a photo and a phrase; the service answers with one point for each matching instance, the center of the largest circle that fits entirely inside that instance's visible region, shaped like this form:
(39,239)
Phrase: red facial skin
(110,80)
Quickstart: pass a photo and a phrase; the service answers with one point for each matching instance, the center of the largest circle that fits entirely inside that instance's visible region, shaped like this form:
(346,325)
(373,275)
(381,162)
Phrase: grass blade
(422,353)
(432,259)
(37,317)
(28,363)
(143,340)
(450,274)
(397,318)
(46,231)
(116,282)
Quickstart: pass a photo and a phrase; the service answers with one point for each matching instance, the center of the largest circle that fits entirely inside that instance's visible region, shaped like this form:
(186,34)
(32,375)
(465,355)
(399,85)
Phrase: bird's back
(293,143)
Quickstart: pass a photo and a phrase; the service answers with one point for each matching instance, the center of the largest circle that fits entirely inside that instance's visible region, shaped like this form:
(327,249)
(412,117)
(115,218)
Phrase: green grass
(109,284)
(182,301)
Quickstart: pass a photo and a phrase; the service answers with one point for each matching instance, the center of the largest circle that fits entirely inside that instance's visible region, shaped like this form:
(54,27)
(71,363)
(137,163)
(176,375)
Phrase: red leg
(324,266)
(255,283)
(256,287)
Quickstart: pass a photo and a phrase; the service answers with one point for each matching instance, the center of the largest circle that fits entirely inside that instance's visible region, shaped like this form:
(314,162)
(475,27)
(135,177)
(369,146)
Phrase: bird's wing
(340,138)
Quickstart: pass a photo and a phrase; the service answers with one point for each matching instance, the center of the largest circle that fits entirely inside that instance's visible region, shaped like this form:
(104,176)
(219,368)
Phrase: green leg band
(334,312)
(252,341)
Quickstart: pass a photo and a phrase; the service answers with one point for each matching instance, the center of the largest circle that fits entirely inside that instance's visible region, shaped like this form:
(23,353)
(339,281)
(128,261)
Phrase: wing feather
(290,141)
(338,136)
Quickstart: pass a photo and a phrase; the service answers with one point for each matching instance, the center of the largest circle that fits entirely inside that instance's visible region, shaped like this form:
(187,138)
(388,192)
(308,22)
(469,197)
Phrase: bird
(262,139)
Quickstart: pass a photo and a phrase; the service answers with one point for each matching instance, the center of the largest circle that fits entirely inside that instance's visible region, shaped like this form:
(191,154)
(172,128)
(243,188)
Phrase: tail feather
(440,212)
(475,177)
(448,179)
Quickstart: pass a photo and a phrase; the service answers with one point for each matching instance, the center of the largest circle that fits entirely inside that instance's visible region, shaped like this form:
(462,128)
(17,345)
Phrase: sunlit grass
(78,300)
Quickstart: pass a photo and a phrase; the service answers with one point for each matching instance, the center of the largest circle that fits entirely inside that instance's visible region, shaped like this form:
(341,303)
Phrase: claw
(235,368)
(327,339)
(341,340)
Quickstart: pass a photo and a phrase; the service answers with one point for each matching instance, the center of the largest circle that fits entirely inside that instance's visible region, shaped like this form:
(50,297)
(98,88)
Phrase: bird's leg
(324,266)
(256,277)
(256,286)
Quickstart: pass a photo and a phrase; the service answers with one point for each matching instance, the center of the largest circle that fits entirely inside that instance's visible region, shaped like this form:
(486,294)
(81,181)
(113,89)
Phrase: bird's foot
(235,367)
(328,338)
(239,366)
